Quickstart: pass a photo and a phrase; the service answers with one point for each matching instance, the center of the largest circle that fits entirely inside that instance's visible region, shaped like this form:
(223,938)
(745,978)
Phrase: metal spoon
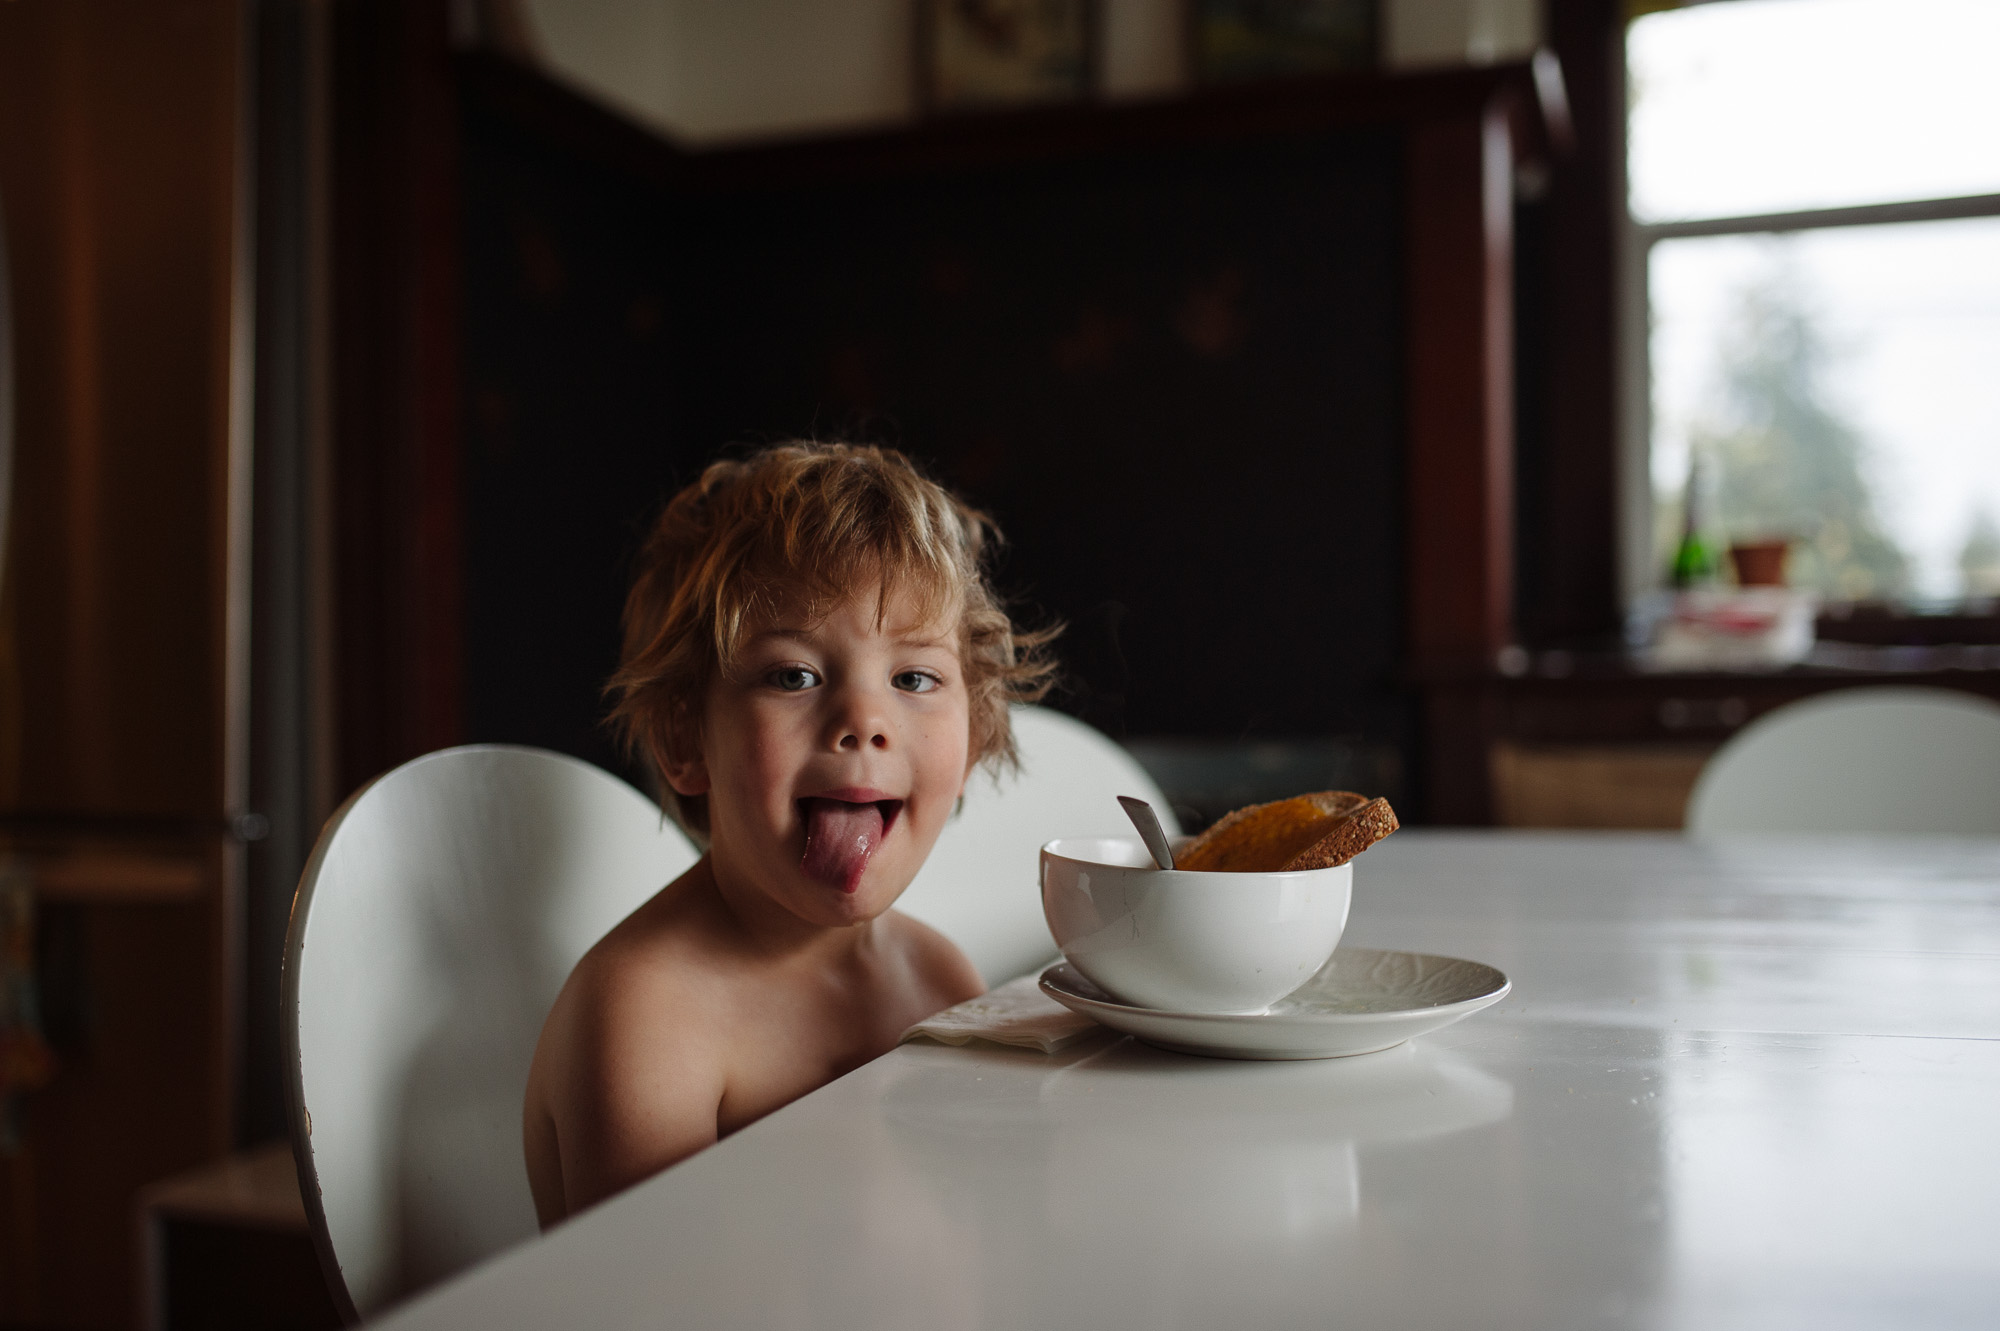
(1150,831)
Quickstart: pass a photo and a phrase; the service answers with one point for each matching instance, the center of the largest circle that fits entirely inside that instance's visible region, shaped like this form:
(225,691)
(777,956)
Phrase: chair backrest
(440,913)
(1858,760)
(979,886)
(446,903)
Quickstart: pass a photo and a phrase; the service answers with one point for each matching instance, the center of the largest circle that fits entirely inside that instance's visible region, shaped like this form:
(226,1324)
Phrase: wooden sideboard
(1591,740)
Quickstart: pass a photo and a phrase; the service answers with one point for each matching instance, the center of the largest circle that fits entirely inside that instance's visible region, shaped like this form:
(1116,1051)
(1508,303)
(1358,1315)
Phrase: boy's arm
(645,1083)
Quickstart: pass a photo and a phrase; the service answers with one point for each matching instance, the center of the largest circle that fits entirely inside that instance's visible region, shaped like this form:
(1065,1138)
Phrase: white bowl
(1189,942)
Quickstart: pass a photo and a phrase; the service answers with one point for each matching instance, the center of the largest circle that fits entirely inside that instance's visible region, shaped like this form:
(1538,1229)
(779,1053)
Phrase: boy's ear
(688,776)
(680,762)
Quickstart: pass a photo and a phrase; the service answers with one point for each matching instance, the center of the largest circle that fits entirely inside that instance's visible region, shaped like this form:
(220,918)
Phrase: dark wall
(1173,376)
(572,361)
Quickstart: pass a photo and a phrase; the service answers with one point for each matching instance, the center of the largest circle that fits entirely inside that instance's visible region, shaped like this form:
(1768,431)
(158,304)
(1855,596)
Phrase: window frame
(1638,576)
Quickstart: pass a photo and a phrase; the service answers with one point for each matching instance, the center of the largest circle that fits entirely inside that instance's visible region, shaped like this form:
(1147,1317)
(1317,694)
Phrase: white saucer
(1360,1001)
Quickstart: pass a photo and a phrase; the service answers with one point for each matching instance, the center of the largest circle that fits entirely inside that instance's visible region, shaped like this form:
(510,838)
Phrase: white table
(1750,1085)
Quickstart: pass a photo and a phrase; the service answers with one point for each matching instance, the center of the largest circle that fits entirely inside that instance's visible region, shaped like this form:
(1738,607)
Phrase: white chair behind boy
(980,886)
(1858,760)
(440,913)
(448,900)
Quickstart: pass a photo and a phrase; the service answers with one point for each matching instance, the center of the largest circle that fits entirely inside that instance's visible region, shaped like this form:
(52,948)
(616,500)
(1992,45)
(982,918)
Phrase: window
(1815,193)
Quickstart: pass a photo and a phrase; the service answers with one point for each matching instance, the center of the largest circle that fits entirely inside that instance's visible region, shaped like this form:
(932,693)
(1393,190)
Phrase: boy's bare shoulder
(631,1065)
(639,1031)
(645,991)
(937,962)
(650,963)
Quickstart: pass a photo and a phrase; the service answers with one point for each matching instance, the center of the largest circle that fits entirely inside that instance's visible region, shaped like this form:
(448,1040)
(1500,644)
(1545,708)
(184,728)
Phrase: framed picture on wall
(991,54)
(1233,40)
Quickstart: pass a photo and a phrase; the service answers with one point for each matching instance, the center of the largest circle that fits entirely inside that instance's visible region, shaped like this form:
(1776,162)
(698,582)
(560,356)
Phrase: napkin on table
(1017,1013)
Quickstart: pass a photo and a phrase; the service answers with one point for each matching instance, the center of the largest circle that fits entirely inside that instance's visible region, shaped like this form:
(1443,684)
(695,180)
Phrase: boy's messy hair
(824,519)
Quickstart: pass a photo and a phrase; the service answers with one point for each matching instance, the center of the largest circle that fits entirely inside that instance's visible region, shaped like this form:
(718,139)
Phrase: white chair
(440,913)
(1859,760)
(980,886)
(448,900)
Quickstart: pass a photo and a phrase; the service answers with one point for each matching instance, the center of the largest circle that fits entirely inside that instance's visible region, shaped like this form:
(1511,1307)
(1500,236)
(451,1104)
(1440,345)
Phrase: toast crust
(1316,831)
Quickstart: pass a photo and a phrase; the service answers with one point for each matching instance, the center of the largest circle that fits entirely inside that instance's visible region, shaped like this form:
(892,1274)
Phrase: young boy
(814,663)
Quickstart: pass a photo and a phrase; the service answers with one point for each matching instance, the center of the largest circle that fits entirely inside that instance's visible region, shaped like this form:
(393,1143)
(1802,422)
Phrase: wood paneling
(121,876)
(1574,597)
(1598,785)
(117,162)
(1606,701)
(1595,743)
(395,386)
(118,124)
(975,143)
(230,1247)
(824,285)
(1460,388)
(1460,396)
(1173,376)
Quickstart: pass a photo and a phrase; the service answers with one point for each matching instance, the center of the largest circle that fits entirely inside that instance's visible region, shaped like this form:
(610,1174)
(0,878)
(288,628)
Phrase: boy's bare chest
(794,1039)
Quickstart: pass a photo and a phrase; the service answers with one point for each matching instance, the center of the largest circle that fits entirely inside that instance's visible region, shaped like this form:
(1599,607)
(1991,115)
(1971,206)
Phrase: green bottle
(1696,559)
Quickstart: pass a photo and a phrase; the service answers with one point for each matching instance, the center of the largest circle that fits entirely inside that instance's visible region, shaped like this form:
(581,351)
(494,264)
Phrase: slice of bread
(1314,831)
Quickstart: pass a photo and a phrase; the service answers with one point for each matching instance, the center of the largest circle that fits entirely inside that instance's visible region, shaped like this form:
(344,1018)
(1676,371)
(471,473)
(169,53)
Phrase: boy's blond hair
(825,519)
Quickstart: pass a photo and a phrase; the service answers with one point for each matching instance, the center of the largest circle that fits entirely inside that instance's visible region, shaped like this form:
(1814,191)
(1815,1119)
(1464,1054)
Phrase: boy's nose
(861,723)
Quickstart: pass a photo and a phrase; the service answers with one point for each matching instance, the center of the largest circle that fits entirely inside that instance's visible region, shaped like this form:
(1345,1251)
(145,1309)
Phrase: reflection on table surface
(1744,1085)
(1858,935)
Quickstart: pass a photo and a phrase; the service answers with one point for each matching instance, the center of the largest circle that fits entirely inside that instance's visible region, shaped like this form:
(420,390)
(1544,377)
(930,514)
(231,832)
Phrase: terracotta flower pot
(1760,563)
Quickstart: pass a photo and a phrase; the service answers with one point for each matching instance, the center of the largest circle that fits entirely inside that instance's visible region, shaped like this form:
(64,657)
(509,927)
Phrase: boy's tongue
(839,839)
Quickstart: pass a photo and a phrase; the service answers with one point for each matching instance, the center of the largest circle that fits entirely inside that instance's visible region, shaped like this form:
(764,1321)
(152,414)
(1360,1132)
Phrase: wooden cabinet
(1595,743)
(118,167)
(1233,371)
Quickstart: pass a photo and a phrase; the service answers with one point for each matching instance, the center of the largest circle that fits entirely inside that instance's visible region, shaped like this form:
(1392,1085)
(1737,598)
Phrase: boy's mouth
(841,836)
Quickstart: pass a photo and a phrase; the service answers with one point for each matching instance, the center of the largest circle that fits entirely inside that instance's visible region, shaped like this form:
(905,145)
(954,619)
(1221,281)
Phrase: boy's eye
(792,679)
(915,681)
